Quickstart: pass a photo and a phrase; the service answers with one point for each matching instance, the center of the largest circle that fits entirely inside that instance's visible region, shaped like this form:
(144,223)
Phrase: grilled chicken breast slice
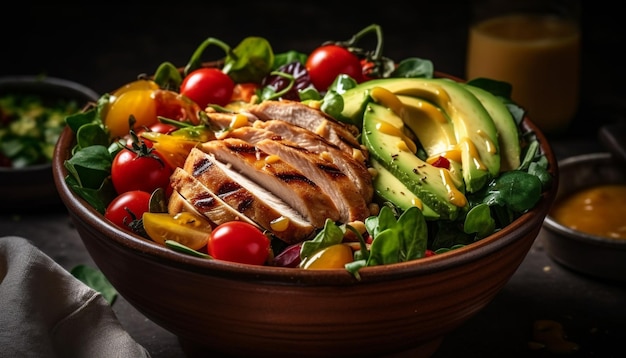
(247,198)
(325,174)
(226,120)
(201,199)
(354,168)
(277,176)
(298,113)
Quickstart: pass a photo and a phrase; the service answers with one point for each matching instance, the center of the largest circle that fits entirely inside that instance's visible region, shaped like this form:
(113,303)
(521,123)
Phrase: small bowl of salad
(32,116)
(279,204)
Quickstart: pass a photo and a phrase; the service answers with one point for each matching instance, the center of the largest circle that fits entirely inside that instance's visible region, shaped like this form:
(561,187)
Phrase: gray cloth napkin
(47,312)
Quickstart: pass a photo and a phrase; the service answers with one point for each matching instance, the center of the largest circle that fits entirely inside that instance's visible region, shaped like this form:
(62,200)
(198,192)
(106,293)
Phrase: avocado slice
(475,131)
(391,189)
(508,133)
(386,143)
(430,124)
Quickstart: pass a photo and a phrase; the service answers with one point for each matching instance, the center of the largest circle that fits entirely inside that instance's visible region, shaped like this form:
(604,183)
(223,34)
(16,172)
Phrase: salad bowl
(395,296)
(224,308)
(30,186)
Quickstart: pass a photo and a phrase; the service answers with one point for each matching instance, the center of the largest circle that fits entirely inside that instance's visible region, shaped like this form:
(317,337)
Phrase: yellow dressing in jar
(599,210)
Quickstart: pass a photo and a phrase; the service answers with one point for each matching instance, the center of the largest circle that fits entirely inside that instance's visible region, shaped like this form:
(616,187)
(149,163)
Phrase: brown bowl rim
(80,210)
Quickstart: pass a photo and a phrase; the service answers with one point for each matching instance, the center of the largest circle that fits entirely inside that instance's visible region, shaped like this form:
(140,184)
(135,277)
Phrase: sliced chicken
(328,176)
(200,198)
(277,176)
(342,135)
(353,167)
(247,198)
(226,120)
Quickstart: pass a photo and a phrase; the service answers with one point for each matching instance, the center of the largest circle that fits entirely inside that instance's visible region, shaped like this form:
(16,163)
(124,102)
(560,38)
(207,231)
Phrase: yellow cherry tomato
(186,228)
(173,148)
(331,257)
(143,84)
(140,103)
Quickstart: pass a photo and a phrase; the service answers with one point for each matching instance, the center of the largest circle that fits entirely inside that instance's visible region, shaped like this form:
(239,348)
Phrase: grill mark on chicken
(353,168)
(248,198)
(177,203)
(201,199)
(342,191)
(298,113)
(277,176)
(332,181)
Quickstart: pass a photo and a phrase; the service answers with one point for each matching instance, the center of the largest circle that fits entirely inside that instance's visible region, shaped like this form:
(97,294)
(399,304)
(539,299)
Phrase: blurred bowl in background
(597,256)
(32,187)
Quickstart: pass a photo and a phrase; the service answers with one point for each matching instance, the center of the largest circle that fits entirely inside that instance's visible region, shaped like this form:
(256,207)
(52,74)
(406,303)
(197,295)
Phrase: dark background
(104,44)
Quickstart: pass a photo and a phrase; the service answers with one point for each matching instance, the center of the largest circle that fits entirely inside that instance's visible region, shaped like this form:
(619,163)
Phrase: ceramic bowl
(32,187)
(591,255)
(230,309)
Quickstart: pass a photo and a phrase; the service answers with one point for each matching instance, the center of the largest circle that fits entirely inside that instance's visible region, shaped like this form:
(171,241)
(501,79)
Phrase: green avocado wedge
(508,133)
(475,130)
(386,143)
(430,124)
(390,188)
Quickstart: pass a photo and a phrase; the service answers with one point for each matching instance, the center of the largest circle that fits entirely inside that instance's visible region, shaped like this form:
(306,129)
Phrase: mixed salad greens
(251,73)
(30,126)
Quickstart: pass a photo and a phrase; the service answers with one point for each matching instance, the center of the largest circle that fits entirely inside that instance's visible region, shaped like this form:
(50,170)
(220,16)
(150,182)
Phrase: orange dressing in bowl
(599,210)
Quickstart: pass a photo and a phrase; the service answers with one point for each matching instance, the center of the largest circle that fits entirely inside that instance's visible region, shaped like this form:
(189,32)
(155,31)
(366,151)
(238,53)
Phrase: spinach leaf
(397,241)
(95,279)
(250,61)
(330,235)
(478,220)
(414,67)
(516,189)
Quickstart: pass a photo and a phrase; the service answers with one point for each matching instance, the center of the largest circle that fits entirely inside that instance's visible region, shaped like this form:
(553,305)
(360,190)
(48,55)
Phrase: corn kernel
(279,224)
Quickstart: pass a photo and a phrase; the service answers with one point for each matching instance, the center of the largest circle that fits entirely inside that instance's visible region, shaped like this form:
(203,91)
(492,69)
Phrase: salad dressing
(456,197)
(538,56)
(598,210)
(473,153)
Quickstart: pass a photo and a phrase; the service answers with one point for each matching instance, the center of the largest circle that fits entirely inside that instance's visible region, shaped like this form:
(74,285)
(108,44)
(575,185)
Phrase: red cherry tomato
(327,62)
(145,170)
(163,128)
(208,86)
(367,67)
(128,207)
(244,91)
(173,105)
(239,241)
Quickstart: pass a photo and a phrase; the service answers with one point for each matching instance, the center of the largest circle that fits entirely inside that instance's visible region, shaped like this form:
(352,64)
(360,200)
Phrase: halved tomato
(331,257)
(174,148)
(185,228)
